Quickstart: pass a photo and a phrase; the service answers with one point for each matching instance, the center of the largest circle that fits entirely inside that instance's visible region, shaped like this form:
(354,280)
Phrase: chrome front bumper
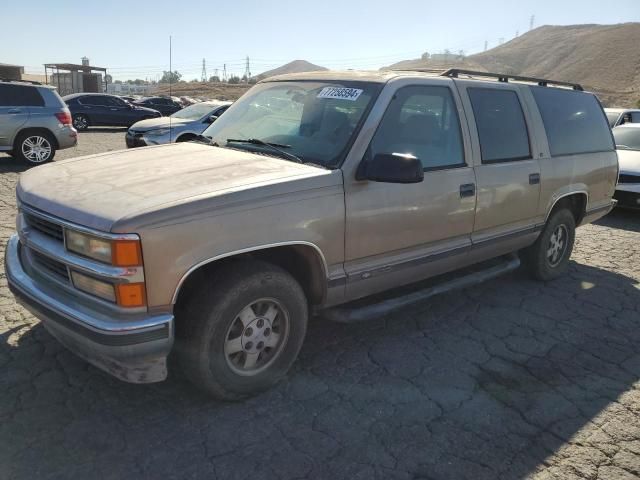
(133,348)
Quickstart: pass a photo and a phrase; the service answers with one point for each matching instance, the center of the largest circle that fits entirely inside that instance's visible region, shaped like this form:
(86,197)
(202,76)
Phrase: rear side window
(95,100)
(501,126)
(20,96)
(574,121)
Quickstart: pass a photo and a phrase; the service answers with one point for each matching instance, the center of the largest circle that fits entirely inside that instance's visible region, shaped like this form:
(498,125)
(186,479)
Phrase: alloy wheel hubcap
(80,122)
(557,245)
(256,336)
(36,149)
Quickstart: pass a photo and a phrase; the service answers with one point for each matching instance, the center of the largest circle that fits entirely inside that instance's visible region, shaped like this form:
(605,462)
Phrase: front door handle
(467,190)
(534,179)
(14,110)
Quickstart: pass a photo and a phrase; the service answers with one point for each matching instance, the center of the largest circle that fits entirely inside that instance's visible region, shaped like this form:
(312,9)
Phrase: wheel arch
(576,201)
(34,130)
(302,260)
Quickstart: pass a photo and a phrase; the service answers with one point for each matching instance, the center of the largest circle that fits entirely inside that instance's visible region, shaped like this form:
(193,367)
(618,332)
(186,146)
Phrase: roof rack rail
(22,81)
(504,77)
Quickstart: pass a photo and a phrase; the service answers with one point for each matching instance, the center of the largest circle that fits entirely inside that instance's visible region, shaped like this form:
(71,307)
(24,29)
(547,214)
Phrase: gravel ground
(512,379)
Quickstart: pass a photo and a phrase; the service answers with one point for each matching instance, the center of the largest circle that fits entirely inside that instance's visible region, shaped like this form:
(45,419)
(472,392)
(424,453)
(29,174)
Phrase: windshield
(314,121)
(627,138)
(194,112)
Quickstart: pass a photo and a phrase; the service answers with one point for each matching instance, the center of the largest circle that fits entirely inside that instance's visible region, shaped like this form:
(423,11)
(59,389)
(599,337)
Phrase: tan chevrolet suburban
(311,192)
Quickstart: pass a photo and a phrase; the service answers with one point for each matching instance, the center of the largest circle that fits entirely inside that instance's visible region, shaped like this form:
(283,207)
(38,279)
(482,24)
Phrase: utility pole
(486,44)
(247,71)
(204,71)
(531,20)
(517,33)
(224,72)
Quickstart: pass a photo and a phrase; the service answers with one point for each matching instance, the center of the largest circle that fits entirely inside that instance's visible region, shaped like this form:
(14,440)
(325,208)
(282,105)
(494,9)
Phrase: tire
(34,148)
(80,122)
(548,257)
(225,330)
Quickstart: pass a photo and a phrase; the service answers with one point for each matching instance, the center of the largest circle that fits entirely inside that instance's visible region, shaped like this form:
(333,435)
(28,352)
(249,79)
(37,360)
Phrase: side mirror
(392,168)
(212,118)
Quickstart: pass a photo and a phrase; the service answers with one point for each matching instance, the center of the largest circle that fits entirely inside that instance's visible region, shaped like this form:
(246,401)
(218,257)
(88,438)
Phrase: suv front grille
(44,226)
(628,178)
(50,266)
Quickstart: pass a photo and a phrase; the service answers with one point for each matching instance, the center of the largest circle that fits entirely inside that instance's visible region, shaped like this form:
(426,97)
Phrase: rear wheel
(240,333)
(34,148)
(548,257)
(80,122)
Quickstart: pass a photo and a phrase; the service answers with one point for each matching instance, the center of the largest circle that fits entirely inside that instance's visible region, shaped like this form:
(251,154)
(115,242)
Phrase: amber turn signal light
(126,253)
(130,295)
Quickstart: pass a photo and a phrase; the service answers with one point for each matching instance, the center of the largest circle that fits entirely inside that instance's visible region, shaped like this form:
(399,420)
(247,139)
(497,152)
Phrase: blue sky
(131,38)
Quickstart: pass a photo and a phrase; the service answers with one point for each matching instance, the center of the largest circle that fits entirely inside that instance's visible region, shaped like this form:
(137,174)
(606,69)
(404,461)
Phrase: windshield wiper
(276,147)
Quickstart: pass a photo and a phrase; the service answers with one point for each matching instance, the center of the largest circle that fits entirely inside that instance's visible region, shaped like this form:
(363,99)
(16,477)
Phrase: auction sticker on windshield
(342,93)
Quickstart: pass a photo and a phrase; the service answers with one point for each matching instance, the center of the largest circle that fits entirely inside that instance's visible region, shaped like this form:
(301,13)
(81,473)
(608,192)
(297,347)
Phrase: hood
(100,190)
(152,123)
(629,161)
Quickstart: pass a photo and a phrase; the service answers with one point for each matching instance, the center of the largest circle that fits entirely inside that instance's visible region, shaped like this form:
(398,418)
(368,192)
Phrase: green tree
(170,77)
(234,80)
(214,79)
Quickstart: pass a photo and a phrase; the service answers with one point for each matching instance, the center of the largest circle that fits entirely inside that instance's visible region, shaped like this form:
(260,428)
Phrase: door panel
(508,173)
(11,120)
(400,233)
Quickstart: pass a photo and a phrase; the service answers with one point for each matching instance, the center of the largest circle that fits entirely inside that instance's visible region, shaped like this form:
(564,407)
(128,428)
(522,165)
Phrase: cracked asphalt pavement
(508,380)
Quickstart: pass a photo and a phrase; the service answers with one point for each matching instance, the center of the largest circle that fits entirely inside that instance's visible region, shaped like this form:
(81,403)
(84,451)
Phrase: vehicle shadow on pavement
(103,130)
(485,383)
(624,219)
(11,165)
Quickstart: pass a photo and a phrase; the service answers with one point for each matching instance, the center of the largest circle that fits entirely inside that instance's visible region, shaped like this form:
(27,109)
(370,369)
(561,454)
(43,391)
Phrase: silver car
(184,125)
(34,122)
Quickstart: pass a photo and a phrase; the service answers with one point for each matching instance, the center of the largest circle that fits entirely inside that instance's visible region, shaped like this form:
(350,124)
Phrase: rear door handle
(14,110)
(534,179)
(467,190)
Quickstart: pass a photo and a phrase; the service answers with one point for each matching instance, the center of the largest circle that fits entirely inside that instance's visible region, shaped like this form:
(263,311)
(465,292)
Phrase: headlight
(158,132)
(95,287)
(121,253)
(89,246)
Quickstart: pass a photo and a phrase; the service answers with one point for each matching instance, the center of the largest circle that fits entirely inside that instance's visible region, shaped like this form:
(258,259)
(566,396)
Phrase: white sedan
(627,139)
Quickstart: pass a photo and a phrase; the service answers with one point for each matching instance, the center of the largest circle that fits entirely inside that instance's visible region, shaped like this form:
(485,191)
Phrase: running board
(344,314)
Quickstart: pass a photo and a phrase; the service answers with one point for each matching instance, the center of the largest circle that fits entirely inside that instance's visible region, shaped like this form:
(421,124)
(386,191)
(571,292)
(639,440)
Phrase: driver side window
(421,121)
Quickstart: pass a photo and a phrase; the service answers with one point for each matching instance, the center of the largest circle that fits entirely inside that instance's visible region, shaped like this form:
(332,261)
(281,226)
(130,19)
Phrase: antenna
(204,71)
(170,81)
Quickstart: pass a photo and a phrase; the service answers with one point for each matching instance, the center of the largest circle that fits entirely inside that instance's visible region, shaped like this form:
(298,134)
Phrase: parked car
(99,109)
(166,106)
(34,122)
(184,125)
(351,184)
(627,139)
(620,116)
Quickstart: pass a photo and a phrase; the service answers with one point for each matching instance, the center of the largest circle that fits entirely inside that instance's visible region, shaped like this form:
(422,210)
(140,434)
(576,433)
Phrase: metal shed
(74,78)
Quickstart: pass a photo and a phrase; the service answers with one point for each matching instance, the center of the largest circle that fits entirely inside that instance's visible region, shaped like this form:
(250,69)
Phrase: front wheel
(548,257)
(241,332)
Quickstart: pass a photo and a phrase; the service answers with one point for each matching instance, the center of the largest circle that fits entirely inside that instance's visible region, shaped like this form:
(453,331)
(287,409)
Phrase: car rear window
(574,121)
(502,130)
(20,96)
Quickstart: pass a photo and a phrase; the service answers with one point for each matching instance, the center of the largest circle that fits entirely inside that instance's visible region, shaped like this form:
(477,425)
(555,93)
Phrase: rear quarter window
(574,121)
(20,96)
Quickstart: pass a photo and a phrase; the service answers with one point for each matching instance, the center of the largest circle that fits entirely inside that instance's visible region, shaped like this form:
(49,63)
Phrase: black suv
(93,109)
(164,105)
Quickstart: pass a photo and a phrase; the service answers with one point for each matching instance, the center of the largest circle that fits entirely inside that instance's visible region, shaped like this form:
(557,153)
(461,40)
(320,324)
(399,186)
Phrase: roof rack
(504,77)
(21,81)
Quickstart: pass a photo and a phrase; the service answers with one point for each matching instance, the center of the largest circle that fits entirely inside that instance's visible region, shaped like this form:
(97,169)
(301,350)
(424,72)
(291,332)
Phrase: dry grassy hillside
(218,91)
(603,58)
(297,66)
